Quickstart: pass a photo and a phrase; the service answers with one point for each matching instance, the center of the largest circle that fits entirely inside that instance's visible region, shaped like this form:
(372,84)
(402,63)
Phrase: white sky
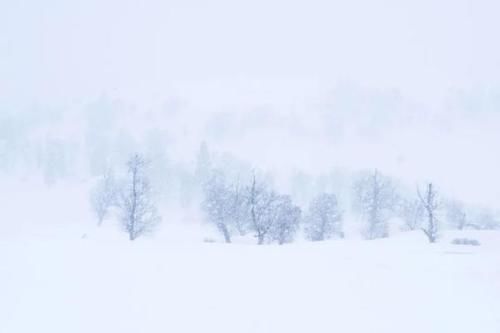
(273,52)
(69,49)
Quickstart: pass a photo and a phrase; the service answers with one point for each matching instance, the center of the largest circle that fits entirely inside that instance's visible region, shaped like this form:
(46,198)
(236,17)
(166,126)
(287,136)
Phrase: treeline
(242,201)
(254,207)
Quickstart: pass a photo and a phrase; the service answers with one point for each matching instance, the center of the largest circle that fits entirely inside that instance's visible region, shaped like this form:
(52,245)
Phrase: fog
(249,166)
(55,50)
(409,87)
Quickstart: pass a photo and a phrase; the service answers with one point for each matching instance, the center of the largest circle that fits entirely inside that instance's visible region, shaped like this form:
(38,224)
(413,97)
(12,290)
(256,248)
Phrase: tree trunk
(430,236)
(260,238)
(225,232)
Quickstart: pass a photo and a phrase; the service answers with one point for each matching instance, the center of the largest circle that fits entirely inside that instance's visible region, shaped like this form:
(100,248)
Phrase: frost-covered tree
(222,203)
(56,161)
(324,218)
(100,116)
(457,215)
(375,199)
(431,205)
(411,212)
(239,207)
(287,219)
(486,220)
(203,166)
(187,187)
(302,187)
(104,195)
(160,170)
(138,212)
(260,201)
(233,169)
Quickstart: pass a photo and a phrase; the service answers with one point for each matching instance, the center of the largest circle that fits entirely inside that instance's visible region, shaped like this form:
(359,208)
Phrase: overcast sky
(227,55)
(78,49)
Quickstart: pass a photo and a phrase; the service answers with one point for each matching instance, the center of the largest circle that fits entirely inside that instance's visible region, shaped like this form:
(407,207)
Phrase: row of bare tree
(376,198)
(252,206)
(256,208)
(272,217)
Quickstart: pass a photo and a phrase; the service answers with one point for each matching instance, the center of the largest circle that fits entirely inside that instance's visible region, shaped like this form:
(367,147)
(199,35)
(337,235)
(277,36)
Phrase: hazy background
(410,87)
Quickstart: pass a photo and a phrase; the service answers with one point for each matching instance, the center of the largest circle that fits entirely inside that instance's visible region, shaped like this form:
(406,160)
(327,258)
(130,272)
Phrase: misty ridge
(298,149)
(408,89)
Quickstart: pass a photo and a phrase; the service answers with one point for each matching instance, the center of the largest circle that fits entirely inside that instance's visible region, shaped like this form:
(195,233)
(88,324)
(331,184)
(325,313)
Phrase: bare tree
(431,204)
(271,216)
(486,220)
(222,203)
(203,167)
(238,207)
(457,215)
(262,215)
(375,198)
(104,196)
(287,221)
(411,212)
(324,218)
(139,214)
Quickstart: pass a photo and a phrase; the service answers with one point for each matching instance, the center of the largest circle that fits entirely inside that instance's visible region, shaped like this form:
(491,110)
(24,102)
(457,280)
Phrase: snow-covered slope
(400,284)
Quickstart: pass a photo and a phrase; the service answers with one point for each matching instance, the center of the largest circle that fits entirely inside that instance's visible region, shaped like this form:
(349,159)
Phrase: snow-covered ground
(60,273)
(98,284)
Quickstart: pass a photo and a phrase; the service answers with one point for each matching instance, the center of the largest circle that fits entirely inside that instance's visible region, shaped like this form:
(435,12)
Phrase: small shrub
(465,241)
(209,240)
